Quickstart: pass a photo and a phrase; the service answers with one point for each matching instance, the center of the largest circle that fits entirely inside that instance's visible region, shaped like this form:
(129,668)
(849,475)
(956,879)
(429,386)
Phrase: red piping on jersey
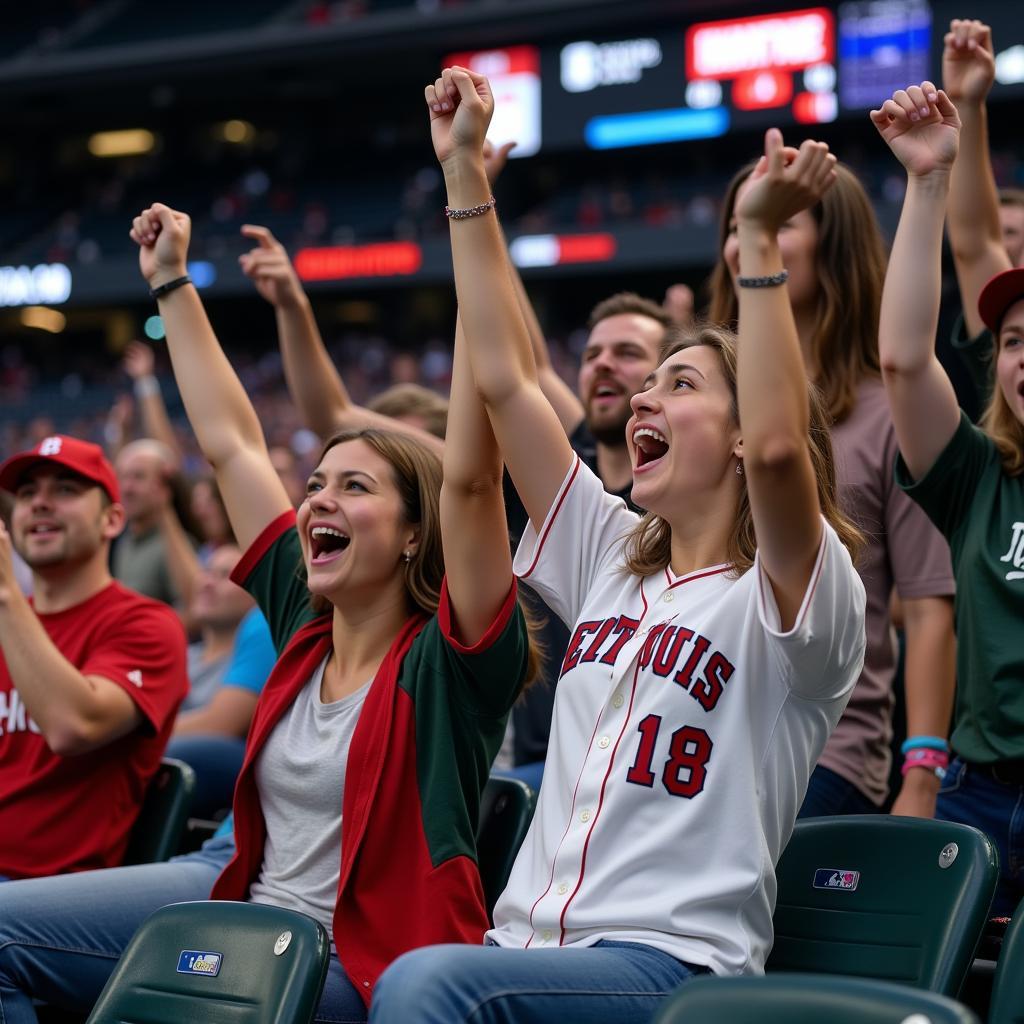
(696,575)
(604,783)
(552,517)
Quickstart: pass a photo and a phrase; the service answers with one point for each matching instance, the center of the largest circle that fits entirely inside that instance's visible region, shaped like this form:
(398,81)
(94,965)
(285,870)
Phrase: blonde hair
(418,475)
(850,261)
(1000,424)
(649,545)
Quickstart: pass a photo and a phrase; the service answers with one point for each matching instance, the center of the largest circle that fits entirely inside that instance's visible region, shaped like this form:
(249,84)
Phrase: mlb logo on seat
(836,878)
(195,961)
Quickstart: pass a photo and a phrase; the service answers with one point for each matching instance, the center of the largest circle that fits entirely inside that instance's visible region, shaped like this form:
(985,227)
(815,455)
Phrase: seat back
(807,999)
(506,809)
(220,963)
(1007,1006)
(874,896)
(157,831)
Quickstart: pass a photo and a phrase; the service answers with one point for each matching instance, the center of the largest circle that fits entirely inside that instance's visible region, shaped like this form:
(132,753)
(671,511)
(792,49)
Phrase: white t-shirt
(685,729)
(300,776)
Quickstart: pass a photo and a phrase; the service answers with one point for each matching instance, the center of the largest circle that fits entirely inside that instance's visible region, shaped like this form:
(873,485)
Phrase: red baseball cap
(1001,292)
(82,457)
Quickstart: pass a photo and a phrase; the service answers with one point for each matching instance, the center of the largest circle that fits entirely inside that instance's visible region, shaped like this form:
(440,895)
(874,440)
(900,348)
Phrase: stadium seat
(220,963)
(157,831)
(1007,1006)
(807,999)
(506,809)
(898,899)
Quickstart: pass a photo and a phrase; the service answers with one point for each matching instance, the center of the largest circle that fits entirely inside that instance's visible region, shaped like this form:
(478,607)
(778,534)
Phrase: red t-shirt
(62,814)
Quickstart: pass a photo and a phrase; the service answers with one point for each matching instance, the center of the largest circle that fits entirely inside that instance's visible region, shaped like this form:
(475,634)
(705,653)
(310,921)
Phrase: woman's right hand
(921,126)
(162,235)
(460,104)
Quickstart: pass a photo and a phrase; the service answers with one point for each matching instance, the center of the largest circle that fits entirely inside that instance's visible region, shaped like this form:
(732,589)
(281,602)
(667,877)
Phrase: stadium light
(44,319)
(235,131)
(127,142)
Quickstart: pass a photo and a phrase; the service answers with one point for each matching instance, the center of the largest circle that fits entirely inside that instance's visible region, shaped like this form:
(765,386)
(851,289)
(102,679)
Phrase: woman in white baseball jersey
(715,641)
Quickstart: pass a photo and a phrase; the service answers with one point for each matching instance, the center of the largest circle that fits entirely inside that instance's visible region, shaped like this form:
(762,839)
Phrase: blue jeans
(609,983)
(971,797)
(216,760)
(829,793)
(60,937)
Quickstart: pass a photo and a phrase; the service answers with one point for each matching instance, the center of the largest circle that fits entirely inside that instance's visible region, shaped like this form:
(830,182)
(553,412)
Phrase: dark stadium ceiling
(305,60)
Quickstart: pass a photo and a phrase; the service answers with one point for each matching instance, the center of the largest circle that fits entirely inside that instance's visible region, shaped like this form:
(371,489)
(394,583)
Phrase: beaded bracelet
(768,281)
(469,211)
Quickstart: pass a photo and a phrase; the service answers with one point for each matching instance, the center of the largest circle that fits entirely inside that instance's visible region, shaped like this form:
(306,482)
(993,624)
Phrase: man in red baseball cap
(91,673)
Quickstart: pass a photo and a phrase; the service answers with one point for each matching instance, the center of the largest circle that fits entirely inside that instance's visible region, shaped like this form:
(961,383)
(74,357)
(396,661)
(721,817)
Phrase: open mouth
(43,530)
(326,543)
(651,446)
(605,392)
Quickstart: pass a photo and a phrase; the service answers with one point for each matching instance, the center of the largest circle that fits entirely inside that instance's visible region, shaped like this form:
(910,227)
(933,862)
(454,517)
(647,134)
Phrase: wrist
(146,385)
(757,231)
(162,275)
(932,183)
(921,777)
(466,180)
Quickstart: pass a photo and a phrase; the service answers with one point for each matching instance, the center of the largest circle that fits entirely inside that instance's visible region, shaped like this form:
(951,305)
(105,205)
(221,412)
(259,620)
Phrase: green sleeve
(947,490)
(273,572)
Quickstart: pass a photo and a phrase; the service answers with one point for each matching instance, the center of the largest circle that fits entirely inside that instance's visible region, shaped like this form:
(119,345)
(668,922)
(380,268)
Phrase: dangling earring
(739,468)
(406,556)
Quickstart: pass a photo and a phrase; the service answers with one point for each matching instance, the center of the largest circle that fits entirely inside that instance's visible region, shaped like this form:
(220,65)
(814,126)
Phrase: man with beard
(91,674)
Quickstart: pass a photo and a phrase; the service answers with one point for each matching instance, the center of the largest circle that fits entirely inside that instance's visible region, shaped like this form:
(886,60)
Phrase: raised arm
(972,211)
(477,557)
(530,436)
(138,364)
(772,380)
(313,380)
(218,408)
(921,126)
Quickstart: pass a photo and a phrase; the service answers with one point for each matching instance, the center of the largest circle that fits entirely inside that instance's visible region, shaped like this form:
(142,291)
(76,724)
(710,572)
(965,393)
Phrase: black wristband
(767,281)
(163,289)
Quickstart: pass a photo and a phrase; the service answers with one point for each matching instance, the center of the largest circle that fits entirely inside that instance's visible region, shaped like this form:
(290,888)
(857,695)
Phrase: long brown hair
(1000,424)
(418,474)
(851,272)
(649,545)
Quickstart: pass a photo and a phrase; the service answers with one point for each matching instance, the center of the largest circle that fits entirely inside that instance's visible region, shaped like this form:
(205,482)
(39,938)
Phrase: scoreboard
(797,65)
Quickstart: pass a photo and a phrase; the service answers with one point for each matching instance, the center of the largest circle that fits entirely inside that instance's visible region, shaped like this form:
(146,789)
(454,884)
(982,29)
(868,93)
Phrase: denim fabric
(970,796)
(608,983)
(829,793)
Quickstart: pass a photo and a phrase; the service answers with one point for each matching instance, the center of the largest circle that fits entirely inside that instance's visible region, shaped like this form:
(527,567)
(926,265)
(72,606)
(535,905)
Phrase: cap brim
(15,468)
(1001,292)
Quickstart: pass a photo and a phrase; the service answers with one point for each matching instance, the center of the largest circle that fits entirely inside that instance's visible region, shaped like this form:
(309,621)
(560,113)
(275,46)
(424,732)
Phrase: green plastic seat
(506,809)
(807,999)
(1007,1006)
(874,896)
(220,963)
(156,834)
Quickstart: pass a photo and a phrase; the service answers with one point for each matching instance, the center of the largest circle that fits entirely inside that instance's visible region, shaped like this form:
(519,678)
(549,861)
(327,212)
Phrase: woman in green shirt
(970,480)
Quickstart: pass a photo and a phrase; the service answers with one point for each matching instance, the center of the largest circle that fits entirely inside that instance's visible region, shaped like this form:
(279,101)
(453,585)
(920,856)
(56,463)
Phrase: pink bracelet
(921,757)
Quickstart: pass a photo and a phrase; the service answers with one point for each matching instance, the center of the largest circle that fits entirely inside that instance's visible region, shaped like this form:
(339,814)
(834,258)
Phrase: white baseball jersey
(685,729)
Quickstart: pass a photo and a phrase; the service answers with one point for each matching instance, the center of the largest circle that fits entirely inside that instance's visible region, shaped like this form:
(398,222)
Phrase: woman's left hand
(460,104)
(785,181)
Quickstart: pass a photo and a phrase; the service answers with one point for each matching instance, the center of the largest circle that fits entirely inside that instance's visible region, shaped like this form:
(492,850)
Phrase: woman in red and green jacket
(392,604)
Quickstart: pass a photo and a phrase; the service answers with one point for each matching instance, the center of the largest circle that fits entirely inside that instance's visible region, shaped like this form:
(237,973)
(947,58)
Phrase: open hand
(138,360)
(162,235)
(921,126)
(785,181)
(460,104)
(968,61)
(270,269)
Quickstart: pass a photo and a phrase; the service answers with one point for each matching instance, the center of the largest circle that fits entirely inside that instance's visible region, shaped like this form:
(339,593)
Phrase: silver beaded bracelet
(768,281)
(470,211)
